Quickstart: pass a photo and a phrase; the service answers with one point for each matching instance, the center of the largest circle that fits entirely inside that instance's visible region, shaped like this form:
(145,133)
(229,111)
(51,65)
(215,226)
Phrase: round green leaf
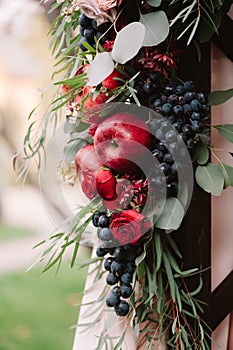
(227,172)
(172,215)
(226,131)
(128,42)
(101,67)
(202,156)
(157,27)
(154,3)
(210,178)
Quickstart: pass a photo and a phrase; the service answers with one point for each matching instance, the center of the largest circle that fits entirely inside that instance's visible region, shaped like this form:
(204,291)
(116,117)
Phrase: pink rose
(92,10)
(109,4)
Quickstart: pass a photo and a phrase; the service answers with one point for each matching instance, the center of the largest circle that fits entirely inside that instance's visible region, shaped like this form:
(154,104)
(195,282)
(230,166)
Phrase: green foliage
(171,216)
(226,131)
(200,17)
(218,97)
(156,27)
(210,178)
(202,155)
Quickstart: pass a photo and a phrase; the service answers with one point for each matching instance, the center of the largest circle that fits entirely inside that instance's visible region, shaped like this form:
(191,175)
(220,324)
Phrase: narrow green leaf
(226,131)
(178,298)
(169,276)
(219,97)
(198,289)
(174,323)
(174,246)
(120,342)
(158,249)
(173,262)
(74,255)
(210,178)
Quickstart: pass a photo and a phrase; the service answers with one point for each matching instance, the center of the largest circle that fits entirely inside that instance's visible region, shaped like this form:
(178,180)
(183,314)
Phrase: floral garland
(137,131)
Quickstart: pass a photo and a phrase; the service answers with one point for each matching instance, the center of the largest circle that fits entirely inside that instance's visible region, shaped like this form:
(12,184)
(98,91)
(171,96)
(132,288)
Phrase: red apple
(119,142)
(111,82)
(86,159)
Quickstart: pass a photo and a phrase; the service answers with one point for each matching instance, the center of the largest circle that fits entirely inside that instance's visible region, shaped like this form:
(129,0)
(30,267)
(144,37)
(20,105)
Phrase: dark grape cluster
(149,90)
(91,32)
(185,108)
(119,263)
(184,112)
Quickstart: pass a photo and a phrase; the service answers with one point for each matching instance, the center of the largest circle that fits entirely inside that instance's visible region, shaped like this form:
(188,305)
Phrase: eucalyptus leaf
(72,148)
(184,195)
(68,127)
(100,68)
(227,172)
(226,131)
(128,42)
(154,3)
(202,156)
(210,178)
(156,26)
(219,97)
(171,216)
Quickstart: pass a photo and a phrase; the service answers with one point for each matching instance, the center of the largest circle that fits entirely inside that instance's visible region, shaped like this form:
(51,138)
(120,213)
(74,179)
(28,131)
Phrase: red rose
(87,180)
(129,226)
(105,184)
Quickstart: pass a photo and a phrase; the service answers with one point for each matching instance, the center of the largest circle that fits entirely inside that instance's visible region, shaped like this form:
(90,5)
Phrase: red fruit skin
(86,159)
(90,102)
(110,82)
(105,184)
(119,142)
(123,197)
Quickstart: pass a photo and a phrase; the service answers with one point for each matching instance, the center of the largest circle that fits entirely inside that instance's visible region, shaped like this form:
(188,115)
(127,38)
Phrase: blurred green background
(37,311)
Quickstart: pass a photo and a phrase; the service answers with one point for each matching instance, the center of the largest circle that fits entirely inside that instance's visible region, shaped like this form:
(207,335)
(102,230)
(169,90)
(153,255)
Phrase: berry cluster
(183,114)
(185,108)
(150,89)
(120,264)
(91,32)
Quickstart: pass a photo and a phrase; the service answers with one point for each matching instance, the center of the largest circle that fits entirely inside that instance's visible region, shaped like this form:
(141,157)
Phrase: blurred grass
(36,312)
(10,232)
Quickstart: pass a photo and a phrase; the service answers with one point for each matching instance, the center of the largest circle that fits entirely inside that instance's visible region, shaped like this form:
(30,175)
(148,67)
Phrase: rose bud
(129,226)
(105,184)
